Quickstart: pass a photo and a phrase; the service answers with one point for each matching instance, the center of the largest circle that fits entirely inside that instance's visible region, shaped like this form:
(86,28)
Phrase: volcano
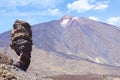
(71,45)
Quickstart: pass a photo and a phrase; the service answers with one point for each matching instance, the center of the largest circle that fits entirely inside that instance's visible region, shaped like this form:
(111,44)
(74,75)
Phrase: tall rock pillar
(21,42)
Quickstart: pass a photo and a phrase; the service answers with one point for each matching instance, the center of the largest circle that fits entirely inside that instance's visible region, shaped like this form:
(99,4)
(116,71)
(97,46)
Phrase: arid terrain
(71,48)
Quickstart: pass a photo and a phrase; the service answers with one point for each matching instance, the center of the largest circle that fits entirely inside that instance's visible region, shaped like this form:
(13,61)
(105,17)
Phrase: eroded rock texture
(21,42)
(9,72)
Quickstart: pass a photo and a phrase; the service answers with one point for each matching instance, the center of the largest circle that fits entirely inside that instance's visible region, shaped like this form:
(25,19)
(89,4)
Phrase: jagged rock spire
(21,42)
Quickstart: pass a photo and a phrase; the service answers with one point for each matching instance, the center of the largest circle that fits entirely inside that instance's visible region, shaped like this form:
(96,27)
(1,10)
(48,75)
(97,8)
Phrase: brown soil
(83,77)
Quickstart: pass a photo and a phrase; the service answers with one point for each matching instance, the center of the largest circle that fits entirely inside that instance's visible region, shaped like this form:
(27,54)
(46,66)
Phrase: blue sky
(38,11)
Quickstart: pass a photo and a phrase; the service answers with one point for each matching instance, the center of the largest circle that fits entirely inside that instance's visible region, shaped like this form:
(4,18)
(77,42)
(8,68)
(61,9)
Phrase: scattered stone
(9,72)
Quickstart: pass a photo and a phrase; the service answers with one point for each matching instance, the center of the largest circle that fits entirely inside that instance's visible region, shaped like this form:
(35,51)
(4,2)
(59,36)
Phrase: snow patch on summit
(75,18)
(64,22)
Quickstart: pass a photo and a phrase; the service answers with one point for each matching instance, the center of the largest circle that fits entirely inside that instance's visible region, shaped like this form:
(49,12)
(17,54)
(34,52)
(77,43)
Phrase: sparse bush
(4,59)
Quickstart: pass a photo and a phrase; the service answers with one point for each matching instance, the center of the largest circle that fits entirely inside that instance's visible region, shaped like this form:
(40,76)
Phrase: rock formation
(9,72)
(21,42)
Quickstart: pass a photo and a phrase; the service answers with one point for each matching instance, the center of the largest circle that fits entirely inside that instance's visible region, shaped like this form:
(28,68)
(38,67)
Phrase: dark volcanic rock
(21,42)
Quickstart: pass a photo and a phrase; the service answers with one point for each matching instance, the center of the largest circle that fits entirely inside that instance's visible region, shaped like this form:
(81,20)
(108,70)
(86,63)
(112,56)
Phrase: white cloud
(46,3)
(30,21)
(51,12)
(85,5)
(80,6)
(29,7)
(92,0)
(101,5)
(12,4)
(114,21)
(94,18)
(30,3)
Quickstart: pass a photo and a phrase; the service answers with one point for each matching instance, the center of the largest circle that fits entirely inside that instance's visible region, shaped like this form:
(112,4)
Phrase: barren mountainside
(71,45)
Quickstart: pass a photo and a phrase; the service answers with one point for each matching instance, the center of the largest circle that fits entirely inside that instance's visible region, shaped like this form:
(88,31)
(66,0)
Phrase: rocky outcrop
(21,42)
(9,72)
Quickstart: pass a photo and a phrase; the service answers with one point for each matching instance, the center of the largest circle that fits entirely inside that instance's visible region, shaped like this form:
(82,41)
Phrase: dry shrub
(4,59)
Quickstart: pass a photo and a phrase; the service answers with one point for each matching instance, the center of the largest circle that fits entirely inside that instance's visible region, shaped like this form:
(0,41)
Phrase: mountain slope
(82,37)
(78,40)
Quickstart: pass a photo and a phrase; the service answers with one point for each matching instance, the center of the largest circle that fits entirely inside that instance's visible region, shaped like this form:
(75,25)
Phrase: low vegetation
(4,59)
